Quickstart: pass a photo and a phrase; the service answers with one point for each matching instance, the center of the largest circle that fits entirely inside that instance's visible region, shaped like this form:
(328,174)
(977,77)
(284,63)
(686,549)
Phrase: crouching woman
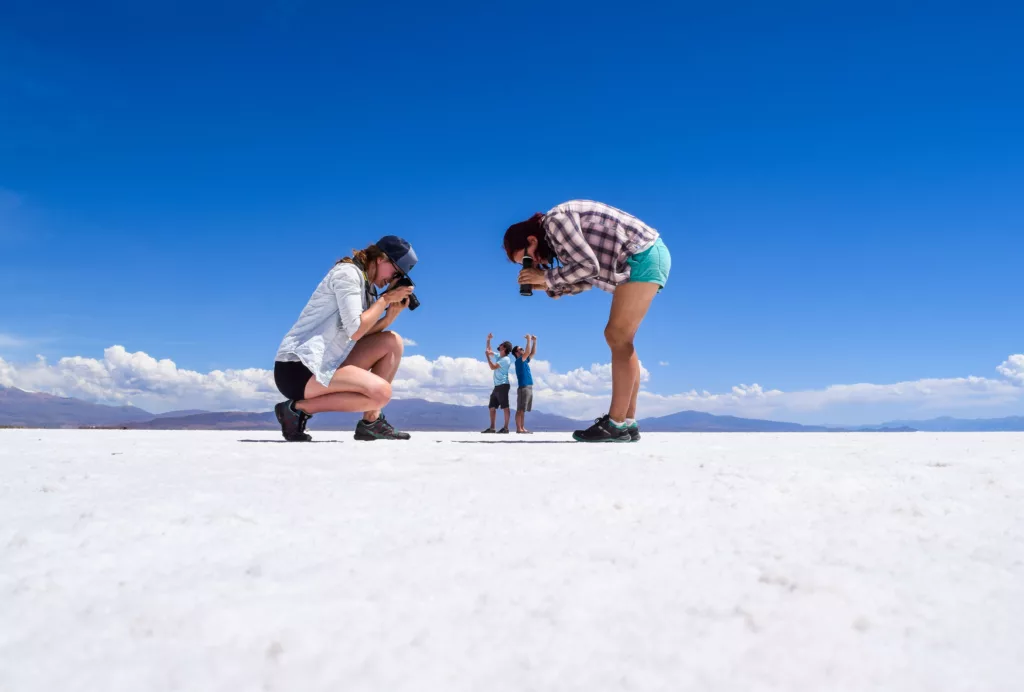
(340,355)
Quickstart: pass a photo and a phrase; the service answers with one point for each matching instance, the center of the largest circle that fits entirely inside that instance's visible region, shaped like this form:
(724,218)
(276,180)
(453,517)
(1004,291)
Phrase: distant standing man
(524,394)
(499,395)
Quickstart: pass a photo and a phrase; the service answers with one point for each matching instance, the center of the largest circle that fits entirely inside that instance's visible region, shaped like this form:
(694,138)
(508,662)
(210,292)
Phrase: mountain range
(19,408)
(947,424)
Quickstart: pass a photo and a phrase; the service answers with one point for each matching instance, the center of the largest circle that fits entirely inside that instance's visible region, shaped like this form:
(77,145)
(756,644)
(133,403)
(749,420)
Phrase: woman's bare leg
(381,354)
(362,383)
(629,307)
(351,389)
(631,411)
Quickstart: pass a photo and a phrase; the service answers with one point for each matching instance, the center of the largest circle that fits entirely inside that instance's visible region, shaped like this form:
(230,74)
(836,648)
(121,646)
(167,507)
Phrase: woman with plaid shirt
(580,244)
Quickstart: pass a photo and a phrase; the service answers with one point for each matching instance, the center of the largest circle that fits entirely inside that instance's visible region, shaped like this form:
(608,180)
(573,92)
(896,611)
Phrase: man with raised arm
(524,394)
(499,395)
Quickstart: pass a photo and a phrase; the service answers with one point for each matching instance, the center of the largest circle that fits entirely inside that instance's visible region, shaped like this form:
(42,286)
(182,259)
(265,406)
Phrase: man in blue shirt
(499,396)
(524,395)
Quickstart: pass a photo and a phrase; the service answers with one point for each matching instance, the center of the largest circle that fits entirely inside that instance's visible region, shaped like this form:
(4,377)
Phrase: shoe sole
(371,438)
(607,439)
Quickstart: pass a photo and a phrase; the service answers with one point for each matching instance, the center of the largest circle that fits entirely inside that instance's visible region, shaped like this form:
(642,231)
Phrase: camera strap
(369,290)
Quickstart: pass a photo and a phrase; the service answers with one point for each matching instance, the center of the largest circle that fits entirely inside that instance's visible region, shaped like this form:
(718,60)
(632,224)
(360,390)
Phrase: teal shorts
(651,266)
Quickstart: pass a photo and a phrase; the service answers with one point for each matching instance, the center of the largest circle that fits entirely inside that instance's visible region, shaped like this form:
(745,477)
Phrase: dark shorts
(524,398)
(291,379)
(499,397)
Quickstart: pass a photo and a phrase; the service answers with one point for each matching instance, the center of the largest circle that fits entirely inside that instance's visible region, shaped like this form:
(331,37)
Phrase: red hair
(516,238)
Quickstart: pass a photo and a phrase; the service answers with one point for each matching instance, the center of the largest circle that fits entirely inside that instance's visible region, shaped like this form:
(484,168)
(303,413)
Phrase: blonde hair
(364,257)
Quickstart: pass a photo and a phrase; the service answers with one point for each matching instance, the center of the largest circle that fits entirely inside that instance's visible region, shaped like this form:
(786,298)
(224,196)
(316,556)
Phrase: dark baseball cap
(398,251)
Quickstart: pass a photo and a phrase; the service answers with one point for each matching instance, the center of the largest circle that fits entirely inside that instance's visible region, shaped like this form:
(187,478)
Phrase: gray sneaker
(379,429)
(293,422)
(634,433)
(603,430)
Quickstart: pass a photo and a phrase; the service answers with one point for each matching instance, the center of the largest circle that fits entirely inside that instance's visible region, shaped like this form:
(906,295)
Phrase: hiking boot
(293,422)
(488,431)
(634,433)
(379,429)
(603,430)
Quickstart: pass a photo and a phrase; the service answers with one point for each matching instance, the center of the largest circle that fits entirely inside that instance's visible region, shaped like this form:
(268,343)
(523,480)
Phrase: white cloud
(1013,368)
(121,377)
(663,363)
(408,342)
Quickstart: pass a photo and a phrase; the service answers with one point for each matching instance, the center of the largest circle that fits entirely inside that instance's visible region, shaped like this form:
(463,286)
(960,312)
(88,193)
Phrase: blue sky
(840,187)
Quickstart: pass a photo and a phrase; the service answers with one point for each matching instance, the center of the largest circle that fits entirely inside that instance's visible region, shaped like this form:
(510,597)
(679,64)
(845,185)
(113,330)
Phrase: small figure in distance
(524,377)
(499,395)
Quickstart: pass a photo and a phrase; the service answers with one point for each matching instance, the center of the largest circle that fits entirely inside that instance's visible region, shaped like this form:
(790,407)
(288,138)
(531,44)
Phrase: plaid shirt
(592,241)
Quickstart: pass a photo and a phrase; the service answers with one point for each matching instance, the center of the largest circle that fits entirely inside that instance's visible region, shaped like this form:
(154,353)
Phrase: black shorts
(291,379)
(499,397)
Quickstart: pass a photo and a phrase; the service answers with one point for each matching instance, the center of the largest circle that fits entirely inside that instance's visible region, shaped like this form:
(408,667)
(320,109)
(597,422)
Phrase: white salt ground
(151,561)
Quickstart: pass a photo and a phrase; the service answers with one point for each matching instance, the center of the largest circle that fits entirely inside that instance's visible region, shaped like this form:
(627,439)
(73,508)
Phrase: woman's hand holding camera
(534,277)
(397,300)
(398,295)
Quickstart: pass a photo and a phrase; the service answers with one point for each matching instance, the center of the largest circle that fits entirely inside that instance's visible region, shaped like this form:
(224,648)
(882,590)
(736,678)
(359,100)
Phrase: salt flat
(149,561)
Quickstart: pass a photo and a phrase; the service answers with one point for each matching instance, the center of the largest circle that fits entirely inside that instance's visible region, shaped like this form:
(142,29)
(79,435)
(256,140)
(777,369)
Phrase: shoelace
(385,426)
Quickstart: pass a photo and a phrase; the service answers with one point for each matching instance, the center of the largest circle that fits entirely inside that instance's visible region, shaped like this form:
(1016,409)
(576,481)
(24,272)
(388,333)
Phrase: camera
(406,281)
(526,289)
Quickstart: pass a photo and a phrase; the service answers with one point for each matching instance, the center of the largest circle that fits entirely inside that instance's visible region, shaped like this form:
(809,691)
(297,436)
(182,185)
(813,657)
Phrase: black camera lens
(412,301)
(526,289)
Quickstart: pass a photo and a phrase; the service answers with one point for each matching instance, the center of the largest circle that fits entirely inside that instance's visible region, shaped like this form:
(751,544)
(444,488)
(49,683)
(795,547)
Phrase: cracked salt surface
(195,561)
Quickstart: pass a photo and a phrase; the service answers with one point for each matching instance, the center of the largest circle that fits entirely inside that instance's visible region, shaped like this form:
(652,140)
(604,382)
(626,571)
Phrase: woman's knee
(395,343)
(380,392)
(618,338)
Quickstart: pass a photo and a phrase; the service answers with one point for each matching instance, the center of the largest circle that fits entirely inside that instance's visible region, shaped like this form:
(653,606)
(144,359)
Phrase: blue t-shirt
(501,374)
(523,373)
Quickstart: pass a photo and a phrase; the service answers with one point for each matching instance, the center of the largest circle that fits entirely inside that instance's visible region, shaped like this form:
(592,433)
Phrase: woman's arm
(579,260)
(368,320)
(348,290)
(390,313)
(395,301)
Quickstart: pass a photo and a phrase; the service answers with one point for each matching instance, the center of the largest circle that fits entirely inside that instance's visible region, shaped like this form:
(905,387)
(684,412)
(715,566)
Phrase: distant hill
(25,409)
(948,424)
(35,410)
(180,414)
(408,414)
(697,421)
